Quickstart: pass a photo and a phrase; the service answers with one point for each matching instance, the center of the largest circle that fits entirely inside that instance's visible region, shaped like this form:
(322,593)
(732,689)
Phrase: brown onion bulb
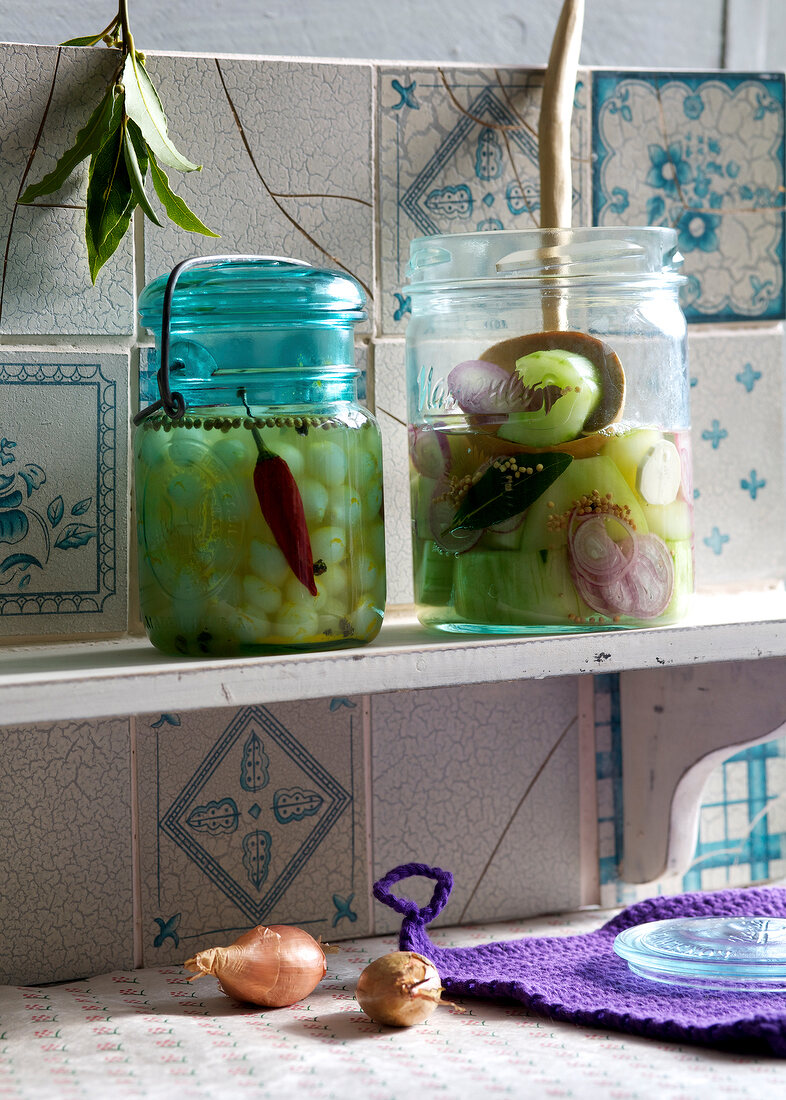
(399,989)
(268,966)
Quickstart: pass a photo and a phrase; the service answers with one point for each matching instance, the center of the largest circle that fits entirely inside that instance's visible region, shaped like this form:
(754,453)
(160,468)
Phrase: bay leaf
(500,495)
(144,107)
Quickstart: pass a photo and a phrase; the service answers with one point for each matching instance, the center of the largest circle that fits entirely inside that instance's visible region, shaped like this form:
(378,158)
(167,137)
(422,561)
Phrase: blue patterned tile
(703,153)
(65,851)
(738,457)
(458,152)
(251,816)
(63,493)
(45,287)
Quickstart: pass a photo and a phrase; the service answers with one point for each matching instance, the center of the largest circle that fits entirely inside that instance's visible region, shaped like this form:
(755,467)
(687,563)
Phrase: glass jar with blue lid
(258,474)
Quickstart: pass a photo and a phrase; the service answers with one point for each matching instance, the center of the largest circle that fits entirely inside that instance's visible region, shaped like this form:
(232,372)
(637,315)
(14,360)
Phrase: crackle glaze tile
(483,781)
(63,492)
(251,816)
(390,398)
(703,153)
(286,153)
(458,152)
(46,287)
(738,457)
(65,851)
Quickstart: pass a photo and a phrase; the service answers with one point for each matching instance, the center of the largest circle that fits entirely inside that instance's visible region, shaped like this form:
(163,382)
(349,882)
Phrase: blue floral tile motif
(215,820)
(704,154)
(458,153)
(62,493)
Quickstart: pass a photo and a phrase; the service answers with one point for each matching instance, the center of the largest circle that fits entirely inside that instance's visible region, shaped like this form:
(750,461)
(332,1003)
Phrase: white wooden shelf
(51,682)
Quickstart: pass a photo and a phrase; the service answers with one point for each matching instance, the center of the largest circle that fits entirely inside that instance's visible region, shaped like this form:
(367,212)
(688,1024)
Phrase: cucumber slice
(681,552)
(628,451)
(563,419)
(671,521)
(433,575)
(581,478)
(508,590)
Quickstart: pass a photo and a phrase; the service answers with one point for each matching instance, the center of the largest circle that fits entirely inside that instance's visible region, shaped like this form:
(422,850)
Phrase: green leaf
(175,207)
(500,495)
(88,141)
(88,40)
(109,188)
(136,176)
(144,107)
(98,255)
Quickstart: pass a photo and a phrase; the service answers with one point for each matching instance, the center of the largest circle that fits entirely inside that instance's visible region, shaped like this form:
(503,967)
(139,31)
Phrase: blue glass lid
(743,953)
(254,292)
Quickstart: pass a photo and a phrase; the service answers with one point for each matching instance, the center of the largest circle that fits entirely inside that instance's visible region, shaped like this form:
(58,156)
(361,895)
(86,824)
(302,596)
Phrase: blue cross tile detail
(404,306)
(694,382)
(714,434)
(748,377)
(255,810)
(752,484)
(488,200)
(716,541)
(343,909)
(407,93)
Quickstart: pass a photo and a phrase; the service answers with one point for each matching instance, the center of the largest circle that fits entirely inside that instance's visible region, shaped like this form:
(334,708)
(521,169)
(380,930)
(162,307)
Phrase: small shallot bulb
(268,966)
(400,989)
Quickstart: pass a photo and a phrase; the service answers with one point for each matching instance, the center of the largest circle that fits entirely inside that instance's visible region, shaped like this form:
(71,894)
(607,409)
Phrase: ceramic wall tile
(65,851)
(458,152)
(737,414)
(483,781)
(390,398)
(251,816)
(703,153)
(46,287)
(286,154)
(63,492)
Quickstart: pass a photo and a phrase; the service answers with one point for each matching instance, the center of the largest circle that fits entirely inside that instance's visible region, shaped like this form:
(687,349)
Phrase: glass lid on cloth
(743,953)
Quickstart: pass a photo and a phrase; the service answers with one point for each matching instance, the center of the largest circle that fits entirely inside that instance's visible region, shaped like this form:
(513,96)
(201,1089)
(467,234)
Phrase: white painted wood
(45,683)
(677,726)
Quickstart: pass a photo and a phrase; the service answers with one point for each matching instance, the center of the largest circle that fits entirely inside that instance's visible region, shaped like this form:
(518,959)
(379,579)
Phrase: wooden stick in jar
(556,112)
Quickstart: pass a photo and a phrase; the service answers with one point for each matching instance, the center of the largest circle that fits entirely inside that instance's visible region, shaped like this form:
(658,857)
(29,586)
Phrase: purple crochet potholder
(581,979)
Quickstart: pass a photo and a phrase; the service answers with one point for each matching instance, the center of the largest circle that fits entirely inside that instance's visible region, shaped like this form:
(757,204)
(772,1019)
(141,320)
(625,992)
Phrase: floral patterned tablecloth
(145,1034)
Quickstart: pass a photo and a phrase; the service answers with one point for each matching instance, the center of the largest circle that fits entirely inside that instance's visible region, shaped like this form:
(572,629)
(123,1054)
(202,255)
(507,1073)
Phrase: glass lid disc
(746,953)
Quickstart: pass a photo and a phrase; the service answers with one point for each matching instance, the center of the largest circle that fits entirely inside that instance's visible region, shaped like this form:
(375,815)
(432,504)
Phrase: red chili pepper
(282,508)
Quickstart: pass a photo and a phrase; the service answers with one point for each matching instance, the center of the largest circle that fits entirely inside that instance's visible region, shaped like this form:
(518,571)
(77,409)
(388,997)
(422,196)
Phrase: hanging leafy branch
(125,137)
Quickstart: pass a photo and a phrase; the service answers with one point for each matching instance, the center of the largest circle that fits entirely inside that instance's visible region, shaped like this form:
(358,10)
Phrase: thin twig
(318,195)
(264,183)
(513,816)
(25,174)
(476,118)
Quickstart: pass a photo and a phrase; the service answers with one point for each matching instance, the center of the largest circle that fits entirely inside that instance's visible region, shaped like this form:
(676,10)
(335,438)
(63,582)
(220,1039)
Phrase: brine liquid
(212,578)
(518,576)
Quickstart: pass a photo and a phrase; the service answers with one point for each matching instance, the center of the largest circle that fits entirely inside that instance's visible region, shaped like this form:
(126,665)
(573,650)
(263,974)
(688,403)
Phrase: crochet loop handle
(444,881)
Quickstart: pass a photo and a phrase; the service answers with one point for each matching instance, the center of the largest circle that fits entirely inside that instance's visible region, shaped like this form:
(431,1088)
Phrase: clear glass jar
(259,481)
(548,398)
